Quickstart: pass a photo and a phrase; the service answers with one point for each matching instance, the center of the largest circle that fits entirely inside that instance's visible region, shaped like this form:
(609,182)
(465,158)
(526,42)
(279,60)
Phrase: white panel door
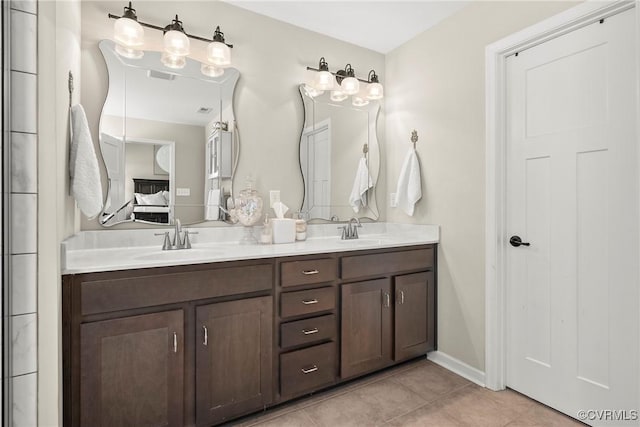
(572,193)
(319,171)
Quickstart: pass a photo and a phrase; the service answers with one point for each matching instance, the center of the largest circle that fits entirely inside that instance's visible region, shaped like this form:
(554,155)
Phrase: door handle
(517,241)
(175,342)
(386,299)
(401,301)
(206,335)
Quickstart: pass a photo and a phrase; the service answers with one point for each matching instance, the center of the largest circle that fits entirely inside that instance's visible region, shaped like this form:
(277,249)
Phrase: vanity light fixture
(324,80)
(128,34)
(129,37)
(348,84)
(374,89)
(218,53)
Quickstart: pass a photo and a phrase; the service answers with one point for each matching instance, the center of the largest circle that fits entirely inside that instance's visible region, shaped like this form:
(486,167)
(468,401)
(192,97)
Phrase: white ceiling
(378,25)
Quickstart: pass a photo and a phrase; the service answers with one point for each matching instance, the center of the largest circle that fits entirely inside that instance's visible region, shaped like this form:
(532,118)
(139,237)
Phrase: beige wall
(435,84)
(271,57)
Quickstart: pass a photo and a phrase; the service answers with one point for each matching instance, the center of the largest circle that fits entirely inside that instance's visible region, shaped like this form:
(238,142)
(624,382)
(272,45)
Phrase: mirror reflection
(168,140)
(339,157)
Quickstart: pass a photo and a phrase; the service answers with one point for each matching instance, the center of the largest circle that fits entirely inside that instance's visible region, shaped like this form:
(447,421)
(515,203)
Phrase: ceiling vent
(160,75)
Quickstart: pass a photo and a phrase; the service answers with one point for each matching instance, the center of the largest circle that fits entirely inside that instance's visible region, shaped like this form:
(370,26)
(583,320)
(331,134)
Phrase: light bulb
(323,80)
(211,70)
(129,52)
(359,101)
(173,61)
(375,91)
(218,54)
(338,96)
(176,43)
(128,32)
(312,91)
(350,85)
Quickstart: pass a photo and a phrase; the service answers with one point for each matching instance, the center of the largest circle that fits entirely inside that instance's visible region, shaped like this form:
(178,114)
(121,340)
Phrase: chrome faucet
(178,241)
(350,231)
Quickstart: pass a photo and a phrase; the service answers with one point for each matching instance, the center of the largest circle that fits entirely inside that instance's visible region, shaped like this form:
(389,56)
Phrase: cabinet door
(233,358)
(366,327)
(412,325)
(132,371)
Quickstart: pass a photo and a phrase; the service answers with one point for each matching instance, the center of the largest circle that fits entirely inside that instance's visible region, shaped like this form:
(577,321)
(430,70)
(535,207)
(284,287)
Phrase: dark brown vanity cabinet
(387,319)
(132,371)
(170,346)
(233,358)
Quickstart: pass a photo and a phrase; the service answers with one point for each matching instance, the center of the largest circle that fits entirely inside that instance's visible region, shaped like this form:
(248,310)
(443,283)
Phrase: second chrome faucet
(180,239)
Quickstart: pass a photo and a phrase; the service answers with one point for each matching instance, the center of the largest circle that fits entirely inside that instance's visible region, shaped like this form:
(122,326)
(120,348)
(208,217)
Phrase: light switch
(274,196)
(183,191)
(393,200)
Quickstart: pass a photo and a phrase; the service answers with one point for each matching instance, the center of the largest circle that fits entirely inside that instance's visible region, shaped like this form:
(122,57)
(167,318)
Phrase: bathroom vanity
(174,340)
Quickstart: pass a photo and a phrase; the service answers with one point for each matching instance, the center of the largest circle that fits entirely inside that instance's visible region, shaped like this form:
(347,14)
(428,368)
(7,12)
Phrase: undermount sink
(362,242)
(181,254)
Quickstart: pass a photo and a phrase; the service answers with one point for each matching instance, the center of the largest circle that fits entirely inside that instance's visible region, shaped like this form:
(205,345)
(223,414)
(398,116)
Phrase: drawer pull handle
(310,272)
(310,301)
(206,335)
(310,370)
(310,331)
(175,342)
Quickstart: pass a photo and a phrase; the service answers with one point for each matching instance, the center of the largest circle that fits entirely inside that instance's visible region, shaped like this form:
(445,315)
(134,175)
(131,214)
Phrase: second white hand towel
(361,184)
(84,171)
(409,189)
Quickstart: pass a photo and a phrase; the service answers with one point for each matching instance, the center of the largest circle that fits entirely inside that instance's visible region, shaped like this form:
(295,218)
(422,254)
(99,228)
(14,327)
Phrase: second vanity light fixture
(344,83)
(129,37)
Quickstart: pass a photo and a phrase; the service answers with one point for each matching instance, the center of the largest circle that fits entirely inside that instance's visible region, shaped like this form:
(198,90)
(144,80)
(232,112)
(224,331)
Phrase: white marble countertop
(110,250)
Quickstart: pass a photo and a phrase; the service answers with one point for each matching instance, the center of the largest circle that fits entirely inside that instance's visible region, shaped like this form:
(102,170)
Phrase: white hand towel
(84,171)
(212,210)
(409,189)
(361,184)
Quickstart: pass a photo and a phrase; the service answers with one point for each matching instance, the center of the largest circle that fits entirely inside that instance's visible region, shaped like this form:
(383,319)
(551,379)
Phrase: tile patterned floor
(418,393)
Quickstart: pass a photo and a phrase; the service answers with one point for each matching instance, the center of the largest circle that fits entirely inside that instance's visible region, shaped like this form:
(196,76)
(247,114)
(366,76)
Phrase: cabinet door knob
(175,342)
(310,370)
(310,272)
(309,301)
(310,331)
(206,335)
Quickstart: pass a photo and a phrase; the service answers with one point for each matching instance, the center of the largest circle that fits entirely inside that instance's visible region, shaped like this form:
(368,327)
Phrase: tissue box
(284,230)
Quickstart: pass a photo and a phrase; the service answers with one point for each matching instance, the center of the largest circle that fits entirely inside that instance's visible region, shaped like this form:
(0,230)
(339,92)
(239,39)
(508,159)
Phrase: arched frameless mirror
(168,139)
(338,142)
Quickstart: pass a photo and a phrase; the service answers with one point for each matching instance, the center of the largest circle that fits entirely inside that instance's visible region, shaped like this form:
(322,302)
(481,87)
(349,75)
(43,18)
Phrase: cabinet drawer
(307,302)
(308,369)
(294,273)
(385,263)
(307,331)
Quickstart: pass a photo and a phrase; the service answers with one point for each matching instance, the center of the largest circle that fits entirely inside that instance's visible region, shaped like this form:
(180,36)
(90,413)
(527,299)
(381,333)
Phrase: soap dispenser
(301,227)
(266,235)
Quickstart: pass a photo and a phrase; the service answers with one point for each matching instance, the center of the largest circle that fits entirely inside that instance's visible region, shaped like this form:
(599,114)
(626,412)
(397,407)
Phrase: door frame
(495,161)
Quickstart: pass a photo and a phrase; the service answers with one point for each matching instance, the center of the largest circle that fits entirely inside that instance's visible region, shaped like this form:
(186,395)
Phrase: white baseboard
(454,365)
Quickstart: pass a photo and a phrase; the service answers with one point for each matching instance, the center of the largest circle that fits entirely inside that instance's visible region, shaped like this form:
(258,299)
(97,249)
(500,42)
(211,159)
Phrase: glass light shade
(129,52)
(359,101)
(323,80)
(173,61)
(338,96)
(312,91)
(218,54)
(128,33)
(375,91)
(350,85)
(176,43)
(211,70)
